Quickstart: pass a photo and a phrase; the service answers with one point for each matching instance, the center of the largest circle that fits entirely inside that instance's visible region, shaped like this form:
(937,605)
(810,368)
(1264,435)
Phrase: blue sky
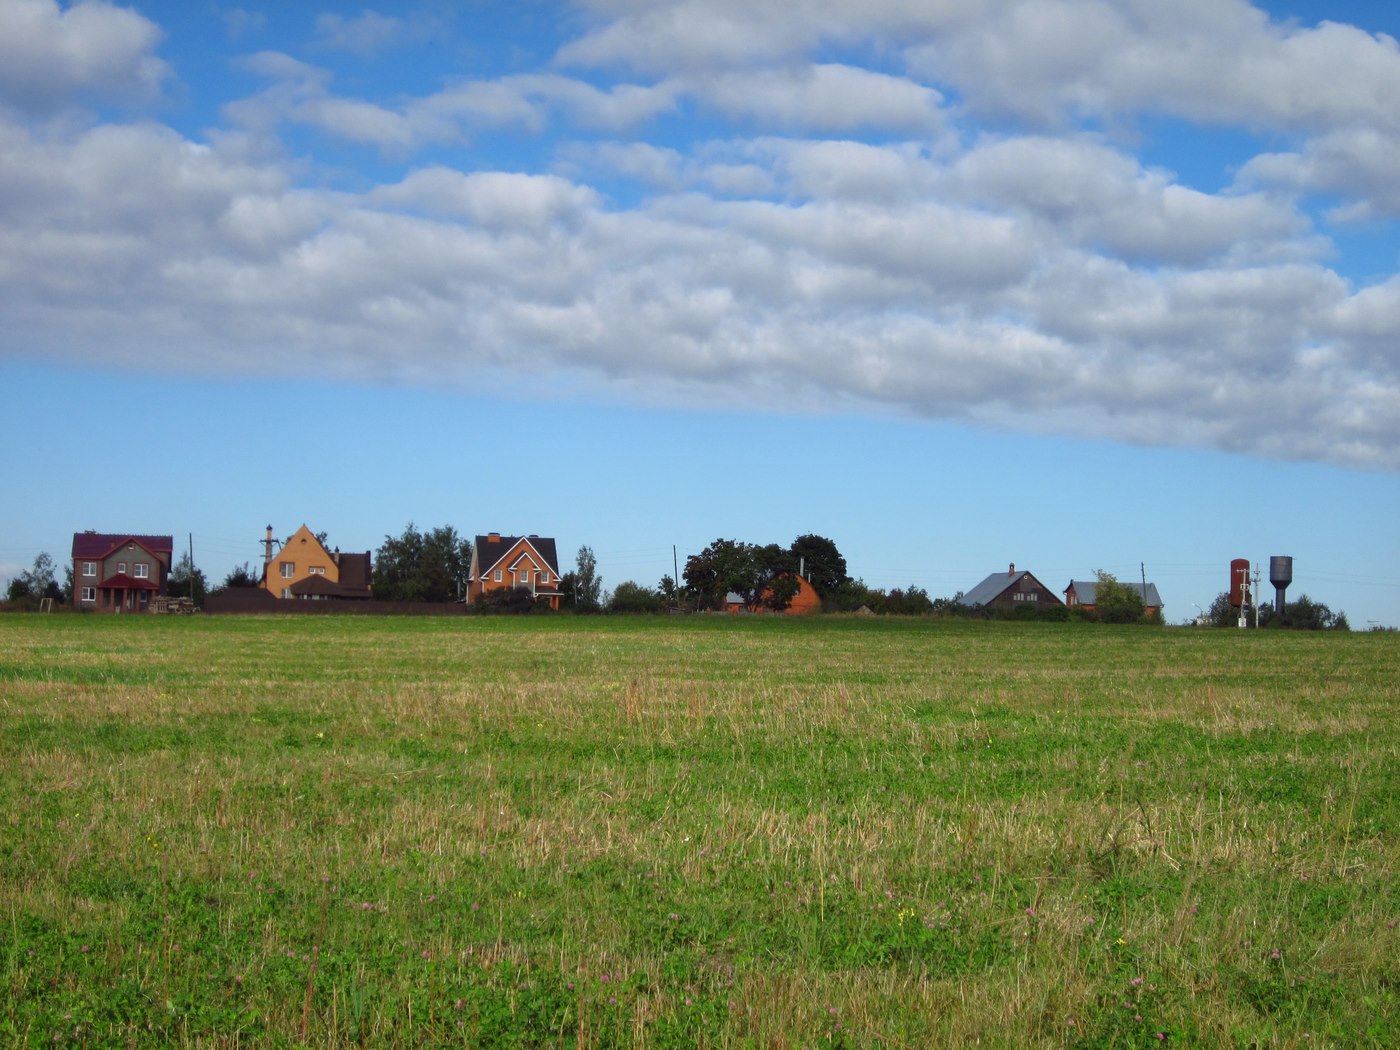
(1074,284)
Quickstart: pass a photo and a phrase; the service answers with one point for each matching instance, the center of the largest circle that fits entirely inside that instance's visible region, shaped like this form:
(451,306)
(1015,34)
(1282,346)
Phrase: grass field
(701,832)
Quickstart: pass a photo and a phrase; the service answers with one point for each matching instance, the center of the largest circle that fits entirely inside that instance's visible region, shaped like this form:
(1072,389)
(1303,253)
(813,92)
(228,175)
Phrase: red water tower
(1239,582)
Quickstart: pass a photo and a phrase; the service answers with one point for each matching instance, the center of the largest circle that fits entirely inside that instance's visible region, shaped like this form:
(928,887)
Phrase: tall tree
(762,577)
(37,581)
(821,562)
(240,576)
(587,585)
(1116,602)
(186,581)
(422,567)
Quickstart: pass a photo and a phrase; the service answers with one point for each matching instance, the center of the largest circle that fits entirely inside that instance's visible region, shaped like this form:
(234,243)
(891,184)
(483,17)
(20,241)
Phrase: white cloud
(1360,164)
(364,35)
(496,199)
(837,235)
(51,56)
(824,97)
(1094,196)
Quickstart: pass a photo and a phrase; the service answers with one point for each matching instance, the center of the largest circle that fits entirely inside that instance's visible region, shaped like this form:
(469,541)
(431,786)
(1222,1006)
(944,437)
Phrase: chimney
(1012,570)
(493,537)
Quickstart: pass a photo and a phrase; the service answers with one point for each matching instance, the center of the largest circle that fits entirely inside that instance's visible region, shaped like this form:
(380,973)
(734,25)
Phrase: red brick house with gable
(500,562)
(113,572)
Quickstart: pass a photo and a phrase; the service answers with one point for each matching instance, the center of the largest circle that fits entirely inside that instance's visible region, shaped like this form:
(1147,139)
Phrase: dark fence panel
(248,600)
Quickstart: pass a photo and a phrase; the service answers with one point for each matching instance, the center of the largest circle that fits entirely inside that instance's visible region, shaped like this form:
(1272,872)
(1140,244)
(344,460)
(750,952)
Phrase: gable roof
(97,545)
(489,552)
(1086,592)
(992,586)
(998,583)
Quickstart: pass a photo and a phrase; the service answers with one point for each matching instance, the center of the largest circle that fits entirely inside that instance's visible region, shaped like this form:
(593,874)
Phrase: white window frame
(89,568)
(141,570)
(121,567)
(89,594)
(289,570)
(498,576)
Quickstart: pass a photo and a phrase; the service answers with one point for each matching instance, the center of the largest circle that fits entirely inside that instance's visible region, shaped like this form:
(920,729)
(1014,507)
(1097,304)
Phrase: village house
(1011,590)
(303,569)
(1083,595)
(501,562)
(114,572)
(804,603)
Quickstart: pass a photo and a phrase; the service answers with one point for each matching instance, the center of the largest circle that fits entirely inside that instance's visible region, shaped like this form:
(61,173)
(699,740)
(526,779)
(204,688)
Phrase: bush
(632,597)
(509,601)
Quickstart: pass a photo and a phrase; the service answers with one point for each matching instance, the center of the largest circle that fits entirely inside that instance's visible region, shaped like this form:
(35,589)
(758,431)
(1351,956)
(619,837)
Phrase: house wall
(1027,592)
(302,552)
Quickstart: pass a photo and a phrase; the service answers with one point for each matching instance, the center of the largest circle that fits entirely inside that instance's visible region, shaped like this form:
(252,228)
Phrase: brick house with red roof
(117,572)
(500,562)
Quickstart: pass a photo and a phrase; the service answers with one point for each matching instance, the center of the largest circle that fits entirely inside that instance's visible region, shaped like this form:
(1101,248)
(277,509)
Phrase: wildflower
(1136,982)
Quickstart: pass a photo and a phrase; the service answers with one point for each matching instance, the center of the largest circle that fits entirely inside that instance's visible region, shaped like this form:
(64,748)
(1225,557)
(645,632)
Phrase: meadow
(700,832)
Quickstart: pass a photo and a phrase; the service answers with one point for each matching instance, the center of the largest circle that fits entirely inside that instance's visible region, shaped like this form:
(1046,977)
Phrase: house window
(544,576)
(289,569)
(121,566)
(89,568)
(89,593)
(143,571)
(498,575)
(317,570)
(286,592)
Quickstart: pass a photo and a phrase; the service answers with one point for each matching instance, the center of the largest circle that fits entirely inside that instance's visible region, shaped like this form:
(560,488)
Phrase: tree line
(435,565)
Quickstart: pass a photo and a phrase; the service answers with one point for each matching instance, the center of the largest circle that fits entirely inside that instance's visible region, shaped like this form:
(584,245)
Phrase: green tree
(911,601)
(821,562)
(1116,602)
(422,567)
(854,595)
(631,597)
(1222,614)
(241,576)
(184,578)
(586,585)
(36,582)
(1304,614)
(760,576)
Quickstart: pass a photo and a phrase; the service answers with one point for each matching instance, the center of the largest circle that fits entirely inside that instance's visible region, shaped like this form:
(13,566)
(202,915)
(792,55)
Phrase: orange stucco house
(303,568)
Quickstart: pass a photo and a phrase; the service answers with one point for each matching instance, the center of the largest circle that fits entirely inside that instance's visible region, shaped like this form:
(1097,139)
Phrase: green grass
(697,832)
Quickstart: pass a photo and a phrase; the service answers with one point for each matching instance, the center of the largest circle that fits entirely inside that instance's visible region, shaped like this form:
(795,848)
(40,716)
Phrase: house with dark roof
(501,562)
(1009,591)
(1083,595)
(303,569)
(118,572)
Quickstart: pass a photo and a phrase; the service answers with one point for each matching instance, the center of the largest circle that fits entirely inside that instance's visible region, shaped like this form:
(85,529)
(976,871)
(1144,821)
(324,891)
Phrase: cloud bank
(939,211)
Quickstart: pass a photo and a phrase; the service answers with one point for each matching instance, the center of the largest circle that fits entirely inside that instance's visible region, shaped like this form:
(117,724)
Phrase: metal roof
(988,590)
(96,545)
(1087,590)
